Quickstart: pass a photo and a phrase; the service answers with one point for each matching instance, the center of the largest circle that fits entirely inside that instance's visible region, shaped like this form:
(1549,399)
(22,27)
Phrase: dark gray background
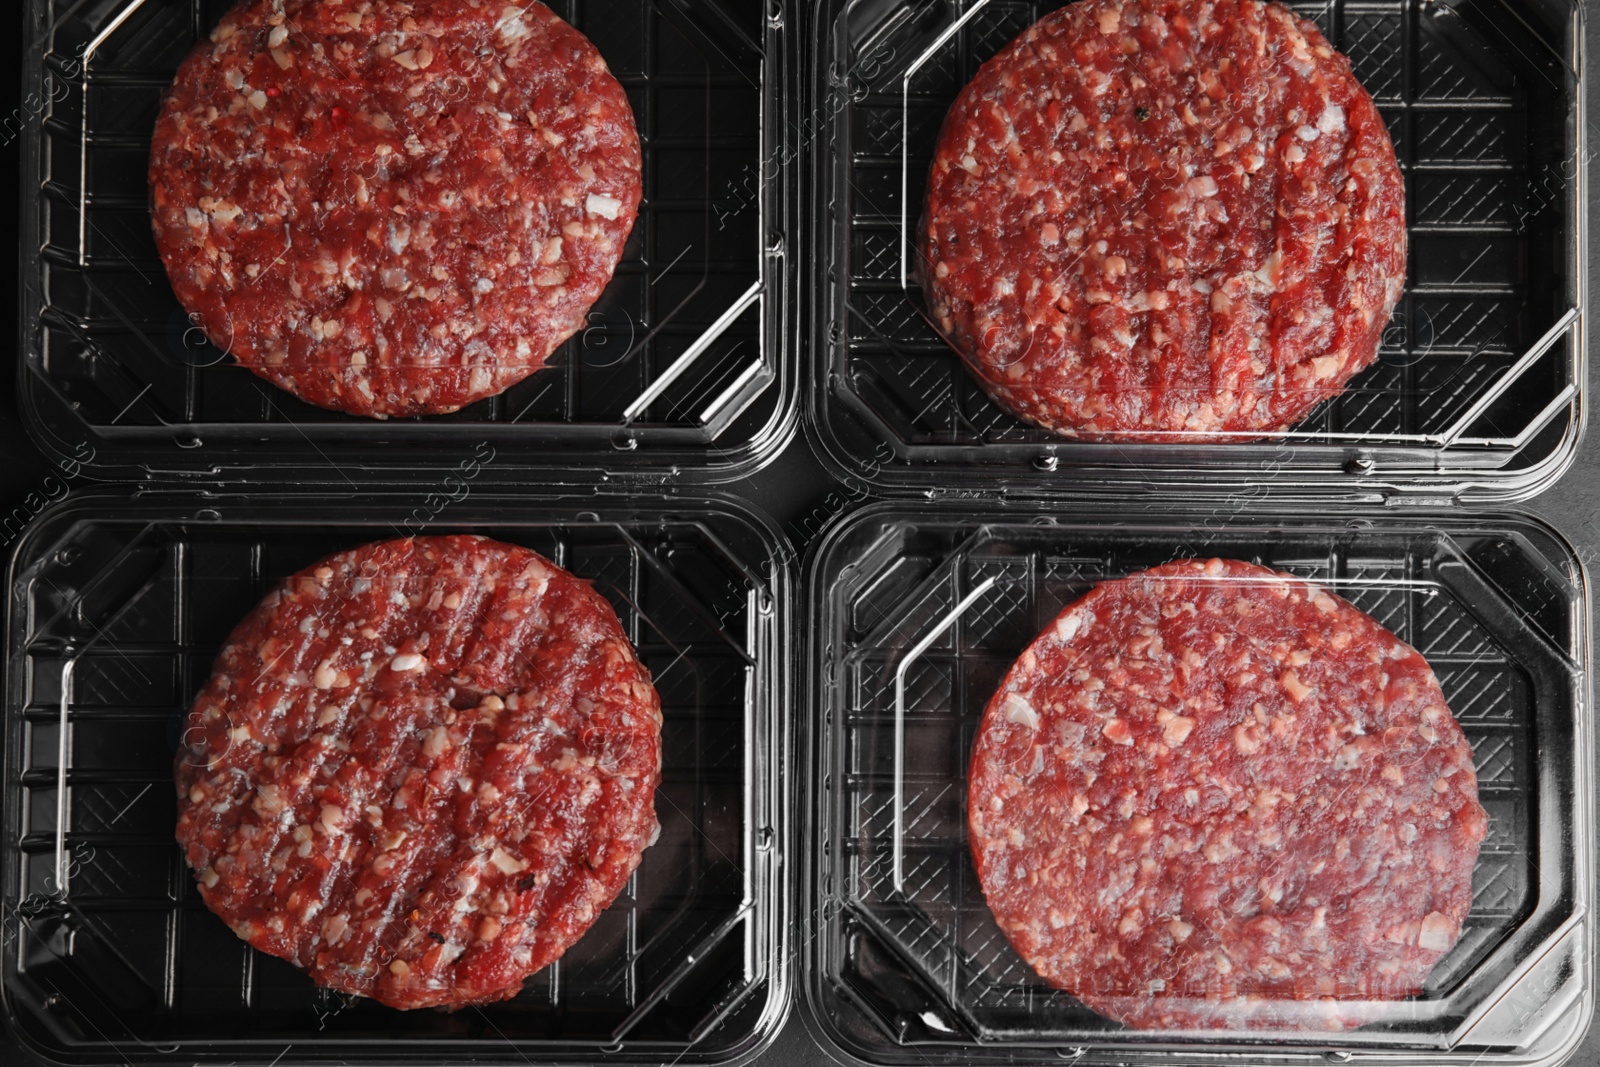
(793,489)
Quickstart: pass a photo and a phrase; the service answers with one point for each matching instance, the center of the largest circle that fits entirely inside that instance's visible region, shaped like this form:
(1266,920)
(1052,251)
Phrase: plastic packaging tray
(1478,385)
(684,366)
(915,619)
(107,953)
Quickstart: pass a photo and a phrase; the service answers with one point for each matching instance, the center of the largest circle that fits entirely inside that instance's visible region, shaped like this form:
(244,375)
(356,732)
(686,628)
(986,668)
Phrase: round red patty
(1156,220)
(421,769)
(1214,796)
(393,208)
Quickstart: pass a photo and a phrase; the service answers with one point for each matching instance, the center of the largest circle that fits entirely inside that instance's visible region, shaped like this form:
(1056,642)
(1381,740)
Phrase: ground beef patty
(1214,796)
(1164,220)
(397,207)
(421,769)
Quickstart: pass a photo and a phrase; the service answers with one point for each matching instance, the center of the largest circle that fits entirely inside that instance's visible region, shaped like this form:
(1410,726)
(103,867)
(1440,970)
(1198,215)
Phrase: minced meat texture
(393,208)
(1213,796)
(1159,220)
(421,769)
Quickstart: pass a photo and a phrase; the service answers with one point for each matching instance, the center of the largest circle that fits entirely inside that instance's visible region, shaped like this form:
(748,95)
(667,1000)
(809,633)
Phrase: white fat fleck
(437,743)
(605,206)
(1068,625)
(1308,133)
(1331,119)
(1268,274)
(505,862)
(512,28)
(267,800)
(406,661)
(1435,933)
(1019,711)
(539,575)
(399,238)
(1297,690)
(325,675)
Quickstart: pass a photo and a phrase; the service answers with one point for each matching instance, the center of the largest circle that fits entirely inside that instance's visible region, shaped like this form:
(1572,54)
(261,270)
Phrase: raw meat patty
(421,769)
(1214,796)
(1155,220)
(392,208)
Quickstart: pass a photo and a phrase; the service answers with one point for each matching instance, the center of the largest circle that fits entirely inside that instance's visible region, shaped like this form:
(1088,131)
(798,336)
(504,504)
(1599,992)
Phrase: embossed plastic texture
(916,619)
(683,363)
(117,610)
(1478,384)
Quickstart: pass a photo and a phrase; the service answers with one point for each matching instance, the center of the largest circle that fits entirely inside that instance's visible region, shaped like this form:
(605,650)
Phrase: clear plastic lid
(916,619)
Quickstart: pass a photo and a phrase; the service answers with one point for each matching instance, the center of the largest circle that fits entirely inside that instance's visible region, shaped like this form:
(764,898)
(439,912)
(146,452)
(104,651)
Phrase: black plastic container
(118,605)
(917,613)
(1478,387)
(118,598)
(683,369)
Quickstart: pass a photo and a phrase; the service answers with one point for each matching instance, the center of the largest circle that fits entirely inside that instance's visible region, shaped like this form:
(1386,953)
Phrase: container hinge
(1403,499)
(154,476)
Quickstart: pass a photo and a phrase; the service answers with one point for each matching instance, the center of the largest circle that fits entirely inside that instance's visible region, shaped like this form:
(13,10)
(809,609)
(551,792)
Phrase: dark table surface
(794,486)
